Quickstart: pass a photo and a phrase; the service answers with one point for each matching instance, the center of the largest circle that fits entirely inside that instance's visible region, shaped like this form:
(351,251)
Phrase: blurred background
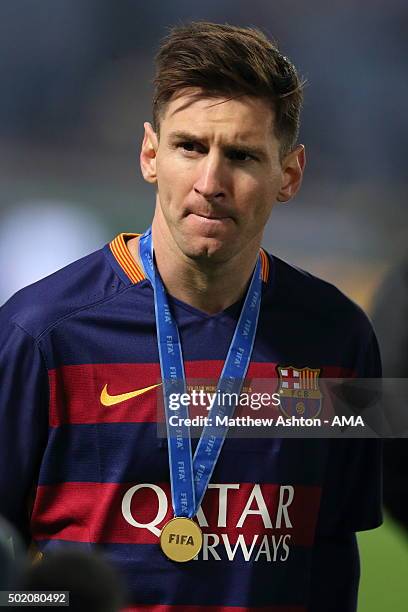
(75,78)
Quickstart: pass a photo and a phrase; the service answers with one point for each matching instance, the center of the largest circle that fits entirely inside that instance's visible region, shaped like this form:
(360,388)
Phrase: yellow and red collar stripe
(265,266)
(135,272)
(124,258)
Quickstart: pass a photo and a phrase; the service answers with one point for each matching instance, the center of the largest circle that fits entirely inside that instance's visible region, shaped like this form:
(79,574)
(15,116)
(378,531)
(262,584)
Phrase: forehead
(238,117)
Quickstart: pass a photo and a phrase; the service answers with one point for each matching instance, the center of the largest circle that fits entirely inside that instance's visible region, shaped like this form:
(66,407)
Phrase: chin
(206,249)
(206,238)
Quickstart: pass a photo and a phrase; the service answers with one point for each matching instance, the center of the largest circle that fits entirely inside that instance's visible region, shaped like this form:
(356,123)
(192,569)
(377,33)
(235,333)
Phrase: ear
(292,173)
(148,154)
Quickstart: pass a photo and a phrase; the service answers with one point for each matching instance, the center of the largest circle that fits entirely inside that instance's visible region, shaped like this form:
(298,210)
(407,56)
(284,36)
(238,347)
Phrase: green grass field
(384,569)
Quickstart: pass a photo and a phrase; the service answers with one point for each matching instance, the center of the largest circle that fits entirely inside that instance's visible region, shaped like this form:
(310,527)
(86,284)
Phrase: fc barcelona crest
(299,391)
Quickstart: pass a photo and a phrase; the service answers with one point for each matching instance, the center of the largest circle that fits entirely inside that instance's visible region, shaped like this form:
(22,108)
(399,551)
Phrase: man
(389,319)
(88,350)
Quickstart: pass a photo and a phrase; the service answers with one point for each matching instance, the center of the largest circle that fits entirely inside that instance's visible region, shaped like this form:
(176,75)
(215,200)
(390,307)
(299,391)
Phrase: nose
(210,183)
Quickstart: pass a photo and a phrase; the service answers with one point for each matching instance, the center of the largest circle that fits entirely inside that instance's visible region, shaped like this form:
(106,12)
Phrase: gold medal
(181,539)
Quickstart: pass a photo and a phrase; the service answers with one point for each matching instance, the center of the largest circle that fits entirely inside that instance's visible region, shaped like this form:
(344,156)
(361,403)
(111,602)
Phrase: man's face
(218,173)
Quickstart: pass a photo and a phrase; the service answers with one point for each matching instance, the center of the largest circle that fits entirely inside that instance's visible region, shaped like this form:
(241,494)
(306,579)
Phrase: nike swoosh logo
(111,400)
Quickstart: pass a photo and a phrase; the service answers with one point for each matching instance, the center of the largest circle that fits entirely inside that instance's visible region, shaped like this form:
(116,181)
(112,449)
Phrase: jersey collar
(135,273)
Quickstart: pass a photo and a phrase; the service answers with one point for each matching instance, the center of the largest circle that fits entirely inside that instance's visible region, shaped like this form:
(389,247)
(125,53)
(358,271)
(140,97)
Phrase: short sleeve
(23,420)
(352,491)
(368,362)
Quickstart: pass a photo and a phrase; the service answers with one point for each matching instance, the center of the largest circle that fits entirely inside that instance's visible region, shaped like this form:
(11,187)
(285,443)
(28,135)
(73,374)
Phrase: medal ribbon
(191,476)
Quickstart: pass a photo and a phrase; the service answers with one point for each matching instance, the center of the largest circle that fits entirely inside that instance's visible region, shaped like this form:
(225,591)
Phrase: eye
(189,146)
(240,155)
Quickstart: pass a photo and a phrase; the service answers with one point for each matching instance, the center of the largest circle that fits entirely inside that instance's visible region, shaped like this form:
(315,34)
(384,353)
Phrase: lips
(218,213)
(210,222)
(211,217)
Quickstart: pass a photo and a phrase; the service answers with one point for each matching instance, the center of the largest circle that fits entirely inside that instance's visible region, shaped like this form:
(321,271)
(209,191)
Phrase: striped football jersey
(82,462)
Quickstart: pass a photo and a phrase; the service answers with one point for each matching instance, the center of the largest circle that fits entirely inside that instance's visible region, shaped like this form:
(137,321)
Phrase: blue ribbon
(190,476)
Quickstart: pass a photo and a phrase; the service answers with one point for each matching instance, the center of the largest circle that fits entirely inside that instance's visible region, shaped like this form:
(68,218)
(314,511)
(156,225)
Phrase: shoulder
(311,298)
(81,284)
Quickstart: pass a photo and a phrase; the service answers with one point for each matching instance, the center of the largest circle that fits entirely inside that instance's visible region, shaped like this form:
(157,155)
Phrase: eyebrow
(190,137)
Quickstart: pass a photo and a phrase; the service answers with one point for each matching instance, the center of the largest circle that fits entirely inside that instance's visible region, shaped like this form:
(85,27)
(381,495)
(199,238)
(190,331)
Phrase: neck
(210,288)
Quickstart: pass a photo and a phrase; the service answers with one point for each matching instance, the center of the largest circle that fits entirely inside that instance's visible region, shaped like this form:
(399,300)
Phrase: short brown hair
(229,60)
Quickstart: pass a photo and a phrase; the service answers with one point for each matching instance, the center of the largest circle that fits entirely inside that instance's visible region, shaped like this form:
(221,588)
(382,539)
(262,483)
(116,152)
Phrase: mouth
(210,223)
(210,217)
